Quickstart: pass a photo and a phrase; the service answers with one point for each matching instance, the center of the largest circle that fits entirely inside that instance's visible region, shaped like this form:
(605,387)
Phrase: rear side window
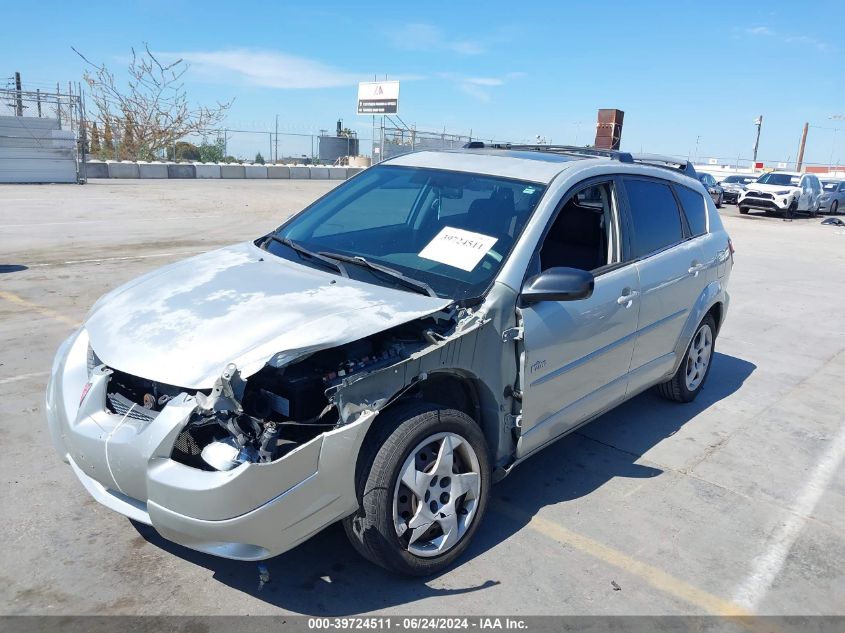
(655,218)
(694,208)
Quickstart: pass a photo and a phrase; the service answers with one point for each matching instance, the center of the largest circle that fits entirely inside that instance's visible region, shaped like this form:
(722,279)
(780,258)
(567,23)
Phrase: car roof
(540,164)
(539,167)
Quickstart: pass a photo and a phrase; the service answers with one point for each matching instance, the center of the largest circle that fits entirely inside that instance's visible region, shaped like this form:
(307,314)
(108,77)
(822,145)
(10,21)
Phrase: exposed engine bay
(264,417)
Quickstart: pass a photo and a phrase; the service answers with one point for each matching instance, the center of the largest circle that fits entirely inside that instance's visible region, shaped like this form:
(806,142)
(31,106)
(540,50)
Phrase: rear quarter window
(695,208)
(655,217)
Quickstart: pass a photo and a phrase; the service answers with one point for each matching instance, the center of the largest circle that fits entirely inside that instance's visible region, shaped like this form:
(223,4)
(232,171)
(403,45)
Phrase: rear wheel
(422,491)
(689,379)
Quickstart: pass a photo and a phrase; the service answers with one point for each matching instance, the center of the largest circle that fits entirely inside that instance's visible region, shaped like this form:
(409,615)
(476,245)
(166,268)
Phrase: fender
(712,294)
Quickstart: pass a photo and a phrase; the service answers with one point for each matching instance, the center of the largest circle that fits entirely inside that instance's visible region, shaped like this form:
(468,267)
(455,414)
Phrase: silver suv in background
(384,356)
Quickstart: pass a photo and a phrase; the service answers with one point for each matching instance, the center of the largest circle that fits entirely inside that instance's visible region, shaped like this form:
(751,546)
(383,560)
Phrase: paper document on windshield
(458,248)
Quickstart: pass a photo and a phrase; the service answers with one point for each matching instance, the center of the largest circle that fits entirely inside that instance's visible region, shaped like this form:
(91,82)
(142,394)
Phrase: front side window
(583,234)
(449,230)
(694,208)
(655,217)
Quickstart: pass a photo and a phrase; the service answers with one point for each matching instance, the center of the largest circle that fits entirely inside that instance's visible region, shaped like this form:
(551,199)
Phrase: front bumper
(730,197)
(778,203)
(252,512)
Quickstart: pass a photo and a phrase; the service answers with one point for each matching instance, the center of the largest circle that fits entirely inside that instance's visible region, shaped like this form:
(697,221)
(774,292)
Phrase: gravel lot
(733,504)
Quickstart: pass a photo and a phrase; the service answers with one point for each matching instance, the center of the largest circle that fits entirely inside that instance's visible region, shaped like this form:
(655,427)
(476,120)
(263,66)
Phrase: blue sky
(681,71)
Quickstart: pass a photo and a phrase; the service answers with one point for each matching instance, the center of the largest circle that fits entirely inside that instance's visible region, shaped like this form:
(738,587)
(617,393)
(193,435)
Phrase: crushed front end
(245,469)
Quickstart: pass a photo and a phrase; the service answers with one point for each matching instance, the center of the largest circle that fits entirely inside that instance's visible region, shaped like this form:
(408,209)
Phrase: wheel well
(451,390)
(716,311)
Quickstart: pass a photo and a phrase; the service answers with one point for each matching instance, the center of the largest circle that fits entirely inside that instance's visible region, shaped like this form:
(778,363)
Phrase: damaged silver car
(388,353)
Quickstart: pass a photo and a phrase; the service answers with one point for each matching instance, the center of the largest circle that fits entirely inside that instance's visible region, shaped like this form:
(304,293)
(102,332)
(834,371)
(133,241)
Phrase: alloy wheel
(698,358)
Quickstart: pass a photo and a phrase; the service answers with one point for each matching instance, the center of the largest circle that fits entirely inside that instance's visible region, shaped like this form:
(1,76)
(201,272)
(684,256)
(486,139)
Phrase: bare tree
(151,109)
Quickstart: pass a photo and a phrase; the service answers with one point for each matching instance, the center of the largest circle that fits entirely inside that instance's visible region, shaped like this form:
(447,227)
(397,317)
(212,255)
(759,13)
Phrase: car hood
(756,186)
(182,323)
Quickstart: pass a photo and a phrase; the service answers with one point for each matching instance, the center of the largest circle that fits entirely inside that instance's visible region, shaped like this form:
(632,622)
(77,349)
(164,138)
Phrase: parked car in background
(833,196)
(384,356)
(782,191)
(733,186)
(716,192)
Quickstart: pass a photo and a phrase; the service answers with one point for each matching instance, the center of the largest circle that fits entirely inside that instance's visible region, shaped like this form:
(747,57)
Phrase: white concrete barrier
(124,169)
(208,170)
(255,171)
(129,169)
(278,171)
(232,171)
(152,170)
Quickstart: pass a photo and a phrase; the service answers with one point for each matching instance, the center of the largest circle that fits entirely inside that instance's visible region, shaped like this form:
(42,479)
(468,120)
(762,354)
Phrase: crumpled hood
(756,186)
(182,323)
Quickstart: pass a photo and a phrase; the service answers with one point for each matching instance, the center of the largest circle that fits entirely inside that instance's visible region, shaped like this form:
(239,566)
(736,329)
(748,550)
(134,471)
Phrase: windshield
(449,230)
(787,180)
(738,179)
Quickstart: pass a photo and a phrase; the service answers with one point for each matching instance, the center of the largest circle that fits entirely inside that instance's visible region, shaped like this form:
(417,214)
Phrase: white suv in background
(783,191)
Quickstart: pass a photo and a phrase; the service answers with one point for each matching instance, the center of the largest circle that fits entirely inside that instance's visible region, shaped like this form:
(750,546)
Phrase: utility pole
(276,153)
(18,100)
(800,161)
(759,123)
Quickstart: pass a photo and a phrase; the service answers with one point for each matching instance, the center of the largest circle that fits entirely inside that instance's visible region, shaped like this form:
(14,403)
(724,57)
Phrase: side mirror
(558,284)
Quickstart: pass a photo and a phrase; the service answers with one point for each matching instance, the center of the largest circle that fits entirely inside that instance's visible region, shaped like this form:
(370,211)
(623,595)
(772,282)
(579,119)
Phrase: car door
(574,356)
(671,270)
(805,201)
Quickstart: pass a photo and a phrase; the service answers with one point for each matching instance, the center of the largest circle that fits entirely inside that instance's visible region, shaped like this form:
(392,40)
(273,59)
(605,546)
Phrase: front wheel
(834,207)
(743,210)
(423,489)
(689,378)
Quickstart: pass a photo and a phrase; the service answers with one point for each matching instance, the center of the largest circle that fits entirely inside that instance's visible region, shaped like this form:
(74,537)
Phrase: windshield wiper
(334,265)
(418,286)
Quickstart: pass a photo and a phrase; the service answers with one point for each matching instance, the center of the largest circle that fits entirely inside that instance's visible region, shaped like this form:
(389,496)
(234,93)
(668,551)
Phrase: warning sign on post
(378,97)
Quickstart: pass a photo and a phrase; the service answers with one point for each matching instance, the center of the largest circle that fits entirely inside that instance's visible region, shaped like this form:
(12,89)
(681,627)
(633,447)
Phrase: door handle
(628,298)
(695,268)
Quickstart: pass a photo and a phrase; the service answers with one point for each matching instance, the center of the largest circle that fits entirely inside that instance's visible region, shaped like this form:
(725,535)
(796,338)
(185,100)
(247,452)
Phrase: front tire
(743,210)
(423,489)
(690,376)
(834,207)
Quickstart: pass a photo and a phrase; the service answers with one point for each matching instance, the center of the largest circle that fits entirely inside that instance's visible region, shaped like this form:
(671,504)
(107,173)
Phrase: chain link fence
(41,135)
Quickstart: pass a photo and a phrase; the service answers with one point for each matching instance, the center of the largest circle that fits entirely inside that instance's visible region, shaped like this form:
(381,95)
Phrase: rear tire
(423,485)
(692,373)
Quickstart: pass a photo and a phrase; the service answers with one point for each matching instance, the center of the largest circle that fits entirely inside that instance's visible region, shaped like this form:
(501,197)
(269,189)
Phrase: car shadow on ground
(324,576)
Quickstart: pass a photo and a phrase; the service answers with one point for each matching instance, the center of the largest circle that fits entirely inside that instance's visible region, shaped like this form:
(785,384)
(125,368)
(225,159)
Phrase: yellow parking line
(47,312)
(655,577)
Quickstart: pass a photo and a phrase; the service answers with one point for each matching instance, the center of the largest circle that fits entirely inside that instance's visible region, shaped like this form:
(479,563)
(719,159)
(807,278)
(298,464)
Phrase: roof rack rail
(571,150)
(668,162)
